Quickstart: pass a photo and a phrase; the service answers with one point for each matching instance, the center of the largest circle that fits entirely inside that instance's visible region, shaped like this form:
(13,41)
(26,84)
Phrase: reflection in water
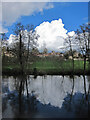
(46,96)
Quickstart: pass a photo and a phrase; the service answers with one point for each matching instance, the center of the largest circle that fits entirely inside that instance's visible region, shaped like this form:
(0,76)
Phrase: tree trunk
(20,97)
(27,88)
(84,64)
(20,54)
(73,63)
(72,56)
(28,51)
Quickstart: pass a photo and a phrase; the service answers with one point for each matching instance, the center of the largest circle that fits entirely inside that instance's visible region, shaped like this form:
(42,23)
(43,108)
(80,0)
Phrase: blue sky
(52,20)
(73,14)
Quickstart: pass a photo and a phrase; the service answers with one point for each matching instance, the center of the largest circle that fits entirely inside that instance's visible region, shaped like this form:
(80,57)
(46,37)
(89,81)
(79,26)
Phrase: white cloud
(0,12)
(12,11)
(71,33)
(12,39)
(51,34)
(3,30)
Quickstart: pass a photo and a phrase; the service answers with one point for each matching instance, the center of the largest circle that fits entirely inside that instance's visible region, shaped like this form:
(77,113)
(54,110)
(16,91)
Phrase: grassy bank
(49,67)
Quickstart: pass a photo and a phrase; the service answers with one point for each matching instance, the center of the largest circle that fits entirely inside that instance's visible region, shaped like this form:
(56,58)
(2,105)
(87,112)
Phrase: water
(46,97)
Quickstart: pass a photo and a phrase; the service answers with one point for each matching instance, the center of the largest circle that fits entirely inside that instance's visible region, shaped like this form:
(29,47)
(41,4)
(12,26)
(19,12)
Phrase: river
(45,96)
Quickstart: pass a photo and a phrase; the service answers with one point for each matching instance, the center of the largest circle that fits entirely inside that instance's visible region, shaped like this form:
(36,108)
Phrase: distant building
(53,53)
(8,54)
(70,57)
(76,55)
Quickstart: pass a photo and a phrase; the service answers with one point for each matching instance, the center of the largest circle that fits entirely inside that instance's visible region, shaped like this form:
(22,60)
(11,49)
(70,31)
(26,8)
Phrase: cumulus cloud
(51,35)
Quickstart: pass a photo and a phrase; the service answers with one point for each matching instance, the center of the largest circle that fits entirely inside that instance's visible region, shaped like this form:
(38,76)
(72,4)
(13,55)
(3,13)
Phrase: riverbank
(48,67)
(48,72)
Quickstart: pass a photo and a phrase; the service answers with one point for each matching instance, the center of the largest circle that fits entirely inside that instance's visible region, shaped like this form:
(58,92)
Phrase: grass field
(45,66)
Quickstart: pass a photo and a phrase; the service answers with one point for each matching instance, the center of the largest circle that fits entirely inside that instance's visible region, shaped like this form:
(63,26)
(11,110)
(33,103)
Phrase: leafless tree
(83,39)
(32,38)
(26,40)
(18,31)
(69,41)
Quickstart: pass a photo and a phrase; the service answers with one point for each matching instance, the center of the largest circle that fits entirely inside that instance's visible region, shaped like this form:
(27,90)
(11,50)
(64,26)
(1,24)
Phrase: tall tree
(4,40)
(83,39)
(32,38)
(18,31)
(69,41)
(26,40)
(4,46)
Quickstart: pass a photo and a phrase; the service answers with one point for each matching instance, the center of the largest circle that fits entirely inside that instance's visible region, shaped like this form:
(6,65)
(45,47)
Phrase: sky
(52,20)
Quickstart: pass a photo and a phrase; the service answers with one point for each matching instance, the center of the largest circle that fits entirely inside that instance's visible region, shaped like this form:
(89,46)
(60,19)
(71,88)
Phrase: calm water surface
(45,97)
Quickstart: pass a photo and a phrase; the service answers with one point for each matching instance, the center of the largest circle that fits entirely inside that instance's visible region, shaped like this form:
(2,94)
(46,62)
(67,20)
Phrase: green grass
(45,66)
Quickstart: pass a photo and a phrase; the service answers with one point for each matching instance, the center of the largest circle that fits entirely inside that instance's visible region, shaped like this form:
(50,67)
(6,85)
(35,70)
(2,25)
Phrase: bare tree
(29,29)
(69,41)
(4,40)
(18,31)
(32,38)
(83,40)
(4,47)
(26,40)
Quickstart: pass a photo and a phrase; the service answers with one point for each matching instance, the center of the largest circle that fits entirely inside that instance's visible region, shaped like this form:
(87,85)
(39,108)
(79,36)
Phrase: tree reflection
(88,77)
(52,97)
(68,100)
(21,101)
(26,103)
(78,103)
